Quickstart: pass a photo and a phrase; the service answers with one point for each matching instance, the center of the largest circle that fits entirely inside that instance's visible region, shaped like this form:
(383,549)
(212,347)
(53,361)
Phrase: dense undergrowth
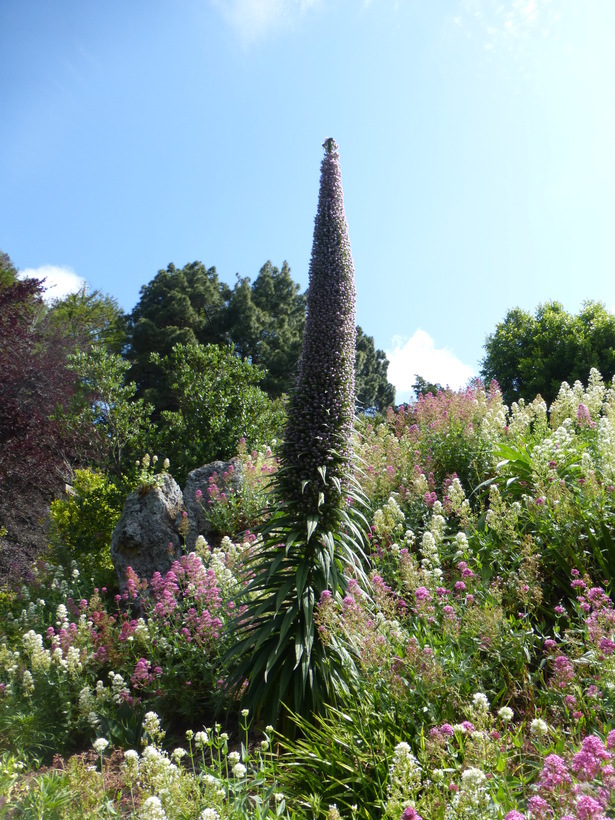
(482,649)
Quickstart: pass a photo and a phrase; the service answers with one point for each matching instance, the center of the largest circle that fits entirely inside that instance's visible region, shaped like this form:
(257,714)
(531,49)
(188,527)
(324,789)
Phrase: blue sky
(477,144)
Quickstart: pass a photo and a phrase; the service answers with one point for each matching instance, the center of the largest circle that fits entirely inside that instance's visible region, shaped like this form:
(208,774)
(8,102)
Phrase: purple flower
(410,813)
(321,409)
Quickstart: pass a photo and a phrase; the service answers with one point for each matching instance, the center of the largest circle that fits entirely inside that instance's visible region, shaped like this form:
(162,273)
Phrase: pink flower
(539,808)
(514,815)
(589,809)
(550,644)
(554,773)
(422,594)
(587,762)
(410,813)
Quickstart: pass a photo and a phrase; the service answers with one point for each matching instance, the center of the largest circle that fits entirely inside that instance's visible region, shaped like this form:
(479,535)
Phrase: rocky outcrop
(150,533)
(198,483)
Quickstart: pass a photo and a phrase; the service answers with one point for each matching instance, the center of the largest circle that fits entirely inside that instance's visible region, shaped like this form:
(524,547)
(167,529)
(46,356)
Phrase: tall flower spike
(313,541)
(322,407)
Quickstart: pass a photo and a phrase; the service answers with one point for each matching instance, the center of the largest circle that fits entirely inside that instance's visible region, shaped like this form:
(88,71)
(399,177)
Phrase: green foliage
(262,320)
(529,355)
(265,323)
(340,758)
(233,507)
(107,408)
(277,646)
(179,306)
(373,392)
(82,523)
(218,403)
(8,271)
(90,319)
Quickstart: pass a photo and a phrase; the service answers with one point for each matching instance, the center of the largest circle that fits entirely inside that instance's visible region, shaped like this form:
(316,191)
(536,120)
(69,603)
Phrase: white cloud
(59,280)
(254,19)
(418,355)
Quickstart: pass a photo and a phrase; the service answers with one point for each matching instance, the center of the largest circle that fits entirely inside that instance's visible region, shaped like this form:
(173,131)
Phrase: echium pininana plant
(313,541)
(321,409)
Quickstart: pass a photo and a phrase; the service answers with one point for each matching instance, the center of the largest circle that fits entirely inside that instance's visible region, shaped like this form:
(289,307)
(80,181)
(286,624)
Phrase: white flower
(178,753)
(480,702)
(61,615)
(473,778)
(200,739)
(506,714)
(152,809)
(131,757)
(209,814)
(28,683)
(99,745)
(245,712)
(234,757)
(151,722)
(239,770)
(539,728)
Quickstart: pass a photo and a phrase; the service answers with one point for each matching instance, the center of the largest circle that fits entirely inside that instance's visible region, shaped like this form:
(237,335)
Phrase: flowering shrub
(232,507)
(77,666)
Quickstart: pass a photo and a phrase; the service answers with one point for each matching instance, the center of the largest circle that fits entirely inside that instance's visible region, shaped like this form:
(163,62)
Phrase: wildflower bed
(481,654)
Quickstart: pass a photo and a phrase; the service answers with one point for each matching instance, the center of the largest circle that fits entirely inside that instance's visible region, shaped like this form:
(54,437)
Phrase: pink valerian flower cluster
(321,410)
(410,813)
(579,790)
(189,595)
(143,674)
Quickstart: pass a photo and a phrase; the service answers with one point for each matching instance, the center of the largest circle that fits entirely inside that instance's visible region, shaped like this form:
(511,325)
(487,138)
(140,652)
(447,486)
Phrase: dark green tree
(179,306)
(282,306)
(530,355)
(374,393)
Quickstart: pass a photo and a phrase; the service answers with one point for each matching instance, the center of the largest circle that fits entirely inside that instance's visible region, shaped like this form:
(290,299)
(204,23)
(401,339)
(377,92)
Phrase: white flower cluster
(40,658)
(568,399)
(151,809)
(430,560)
(472,801)
(389,519)
(404,777)
(456,495)
(493,422)
(606,448)
(524,416)
(556,448)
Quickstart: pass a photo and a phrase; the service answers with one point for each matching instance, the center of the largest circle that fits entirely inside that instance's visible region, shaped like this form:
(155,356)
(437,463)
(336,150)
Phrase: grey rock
(199,480)
(149,535)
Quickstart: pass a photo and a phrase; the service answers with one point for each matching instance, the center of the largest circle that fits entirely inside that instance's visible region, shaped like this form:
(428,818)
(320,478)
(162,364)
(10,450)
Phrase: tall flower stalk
(313,542)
